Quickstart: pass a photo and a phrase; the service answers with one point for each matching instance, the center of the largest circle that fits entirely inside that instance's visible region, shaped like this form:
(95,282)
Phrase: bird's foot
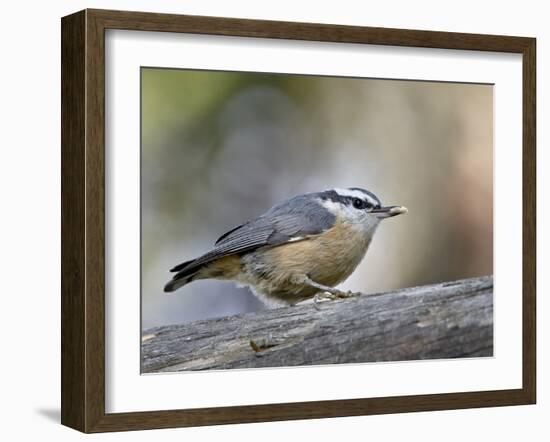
(333,295)
(350,294)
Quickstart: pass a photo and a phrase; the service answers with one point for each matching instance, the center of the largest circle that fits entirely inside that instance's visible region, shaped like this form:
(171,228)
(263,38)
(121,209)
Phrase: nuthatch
(298,248)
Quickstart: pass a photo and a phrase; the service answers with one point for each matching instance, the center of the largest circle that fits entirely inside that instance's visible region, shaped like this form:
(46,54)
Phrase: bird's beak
(388,211)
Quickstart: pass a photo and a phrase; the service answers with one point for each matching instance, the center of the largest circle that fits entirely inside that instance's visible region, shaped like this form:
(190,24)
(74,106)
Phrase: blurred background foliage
(219,148)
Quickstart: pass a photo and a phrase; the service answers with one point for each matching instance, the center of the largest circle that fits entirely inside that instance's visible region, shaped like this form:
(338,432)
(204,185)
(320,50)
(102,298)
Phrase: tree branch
(447,320)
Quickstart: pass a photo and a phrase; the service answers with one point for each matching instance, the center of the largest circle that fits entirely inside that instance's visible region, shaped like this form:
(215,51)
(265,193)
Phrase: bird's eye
(358,203)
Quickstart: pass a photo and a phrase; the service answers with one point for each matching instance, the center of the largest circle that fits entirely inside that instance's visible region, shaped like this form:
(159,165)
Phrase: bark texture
(447,320)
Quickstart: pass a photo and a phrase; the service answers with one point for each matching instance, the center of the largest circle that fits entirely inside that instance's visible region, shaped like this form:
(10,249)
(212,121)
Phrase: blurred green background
(219,148)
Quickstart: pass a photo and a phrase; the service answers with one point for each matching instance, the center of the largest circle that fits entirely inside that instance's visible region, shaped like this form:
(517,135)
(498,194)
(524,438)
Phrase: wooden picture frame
(83,220)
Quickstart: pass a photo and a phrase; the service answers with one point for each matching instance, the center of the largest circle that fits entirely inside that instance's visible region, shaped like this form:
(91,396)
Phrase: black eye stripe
(370,194)
(332,195)
(359,203)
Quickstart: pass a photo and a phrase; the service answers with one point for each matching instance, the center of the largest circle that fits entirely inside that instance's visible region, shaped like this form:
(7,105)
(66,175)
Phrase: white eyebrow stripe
(356,194)
(350,192)
(372,200)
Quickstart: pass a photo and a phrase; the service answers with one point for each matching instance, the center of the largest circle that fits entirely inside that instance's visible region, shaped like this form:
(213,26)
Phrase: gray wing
(293,220)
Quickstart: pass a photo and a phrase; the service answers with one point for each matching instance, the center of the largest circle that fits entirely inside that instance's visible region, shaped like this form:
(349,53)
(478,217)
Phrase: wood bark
(446,320)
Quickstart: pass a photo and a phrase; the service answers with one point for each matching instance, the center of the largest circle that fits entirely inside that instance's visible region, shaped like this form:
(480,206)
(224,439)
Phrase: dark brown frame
(83,216)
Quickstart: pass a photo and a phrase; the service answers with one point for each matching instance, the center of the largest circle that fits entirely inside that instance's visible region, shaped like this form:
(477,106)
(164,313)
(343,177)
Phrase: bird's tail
(185,273)
(210,265)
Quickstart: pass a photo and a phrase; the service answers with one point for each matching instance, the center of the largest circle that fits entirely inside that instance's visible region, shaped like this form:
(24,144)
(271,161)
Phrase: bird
(299,249)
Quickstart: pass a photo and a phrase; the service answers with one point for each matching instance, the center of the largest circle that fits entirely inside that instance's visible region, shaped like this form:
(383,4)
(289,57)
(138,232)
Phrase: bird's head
(359,207)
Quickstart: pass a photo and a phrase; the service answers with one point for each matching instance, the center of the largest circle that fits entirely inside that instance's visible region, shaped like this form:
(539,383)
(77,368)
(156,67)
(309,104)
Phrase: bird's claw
(331,296)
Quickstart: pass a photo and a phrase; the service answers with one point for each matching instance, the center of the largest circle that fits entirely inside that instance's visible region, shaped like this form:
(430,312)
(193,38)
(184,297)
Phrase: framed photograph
(269,220)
